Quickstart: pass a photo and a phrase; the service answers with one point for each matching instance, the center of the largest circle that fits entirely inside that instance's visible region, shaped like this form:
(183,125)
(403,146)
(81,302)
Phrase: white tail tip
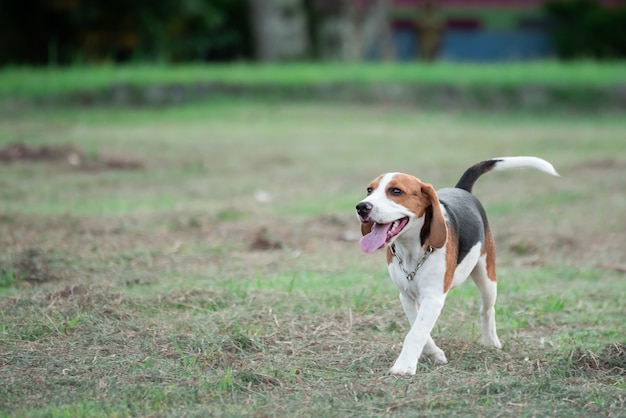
(507,163)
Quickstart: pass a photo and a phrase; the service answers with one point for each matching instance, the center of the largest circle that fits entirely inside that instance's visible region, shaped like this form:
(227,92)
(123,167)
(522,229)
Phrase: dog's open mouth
(382,234)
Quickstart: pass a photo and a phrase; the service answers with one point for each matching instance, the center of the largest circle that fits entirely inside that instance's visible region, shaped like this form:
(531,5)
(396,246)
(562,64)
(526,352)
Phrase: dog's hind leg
(488,291)
(434,353)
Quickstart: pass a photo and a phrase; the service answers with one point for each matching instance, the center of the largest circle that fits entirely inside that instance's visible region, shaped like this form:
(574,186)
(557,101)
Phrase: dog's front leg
(419,334)
(409,305)
(434,353)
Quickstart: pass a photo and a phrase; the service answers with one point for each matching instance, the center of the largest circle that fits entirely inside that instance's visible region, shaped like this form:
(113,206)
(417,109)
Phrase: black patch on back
(467,180)
(467,217)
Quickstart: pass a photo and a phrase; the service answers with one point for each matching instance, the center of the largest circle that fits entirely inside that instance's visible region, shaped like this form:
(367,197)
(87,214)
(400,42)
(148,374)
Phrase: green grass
(137,293)
(43,82)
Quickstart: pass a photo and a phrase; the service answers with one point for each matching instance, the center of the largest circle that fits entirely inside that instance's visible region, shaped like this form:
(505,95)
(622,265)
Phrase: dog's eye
(395,191)
(369,191)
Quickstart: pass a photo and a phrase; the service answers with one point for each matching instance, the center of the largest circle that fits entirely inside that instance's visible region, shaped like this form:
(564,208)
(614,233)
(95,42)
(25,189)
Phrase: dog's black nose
(364,208)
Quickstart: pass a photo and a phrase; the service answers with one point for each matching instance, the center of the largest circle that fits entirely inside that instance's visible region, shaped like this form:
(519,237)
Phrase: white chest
(430,277)
(426,276)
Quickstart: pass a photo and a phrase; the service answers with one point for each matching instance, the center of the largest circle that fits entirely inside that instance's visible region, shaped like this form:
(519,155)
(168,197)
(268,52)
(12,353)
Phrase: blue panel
(492,45)
(406,44)
(476,45)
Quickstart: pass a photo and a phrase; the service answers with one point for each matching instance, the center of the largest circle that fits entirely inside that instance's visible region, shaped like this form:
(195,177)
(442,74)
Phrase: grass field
(218,274)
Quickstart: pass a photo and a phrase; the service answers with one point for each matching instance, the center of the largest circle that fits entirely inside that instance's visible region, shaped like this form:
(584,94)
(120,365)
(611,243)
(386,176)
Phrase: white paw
(492,342)
(437,358)
(400,369)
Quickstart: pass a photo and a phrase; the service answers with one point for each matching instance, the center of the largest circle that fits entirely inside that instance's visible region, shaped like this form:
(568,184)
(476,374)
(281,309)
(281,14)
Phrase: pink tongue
(375,239)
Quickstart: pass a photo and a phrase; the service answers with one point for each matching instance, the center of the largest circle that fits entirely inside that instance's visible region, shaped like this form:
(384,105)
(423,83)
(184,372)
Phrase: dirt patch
(22,152)
(68,154)
(599,164)
(262,242)
(611,359)
(68,293)
(32,266)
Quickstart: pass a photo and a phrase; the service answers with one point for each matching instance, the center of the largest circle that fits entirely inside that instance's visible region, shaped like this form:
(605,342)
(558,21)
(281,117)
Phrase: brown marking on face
(411,196)
(389,256)
(375,183)
(489,248)
(452,252)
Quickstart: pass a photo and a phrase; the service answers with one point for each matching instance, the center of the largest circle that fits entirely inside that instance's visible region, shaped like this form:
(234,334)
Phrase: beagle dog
(434,241)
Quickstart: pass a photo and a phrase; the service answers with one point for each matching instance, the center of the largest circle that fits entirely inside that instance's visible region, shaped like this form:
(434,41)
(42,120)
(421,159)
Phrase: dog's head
(397,204)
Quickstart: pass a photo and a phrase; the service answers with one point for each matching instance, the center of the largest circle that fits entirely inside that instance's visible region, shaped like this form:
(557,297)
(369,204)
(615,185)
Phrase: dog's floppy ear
(366,227)
(437,229)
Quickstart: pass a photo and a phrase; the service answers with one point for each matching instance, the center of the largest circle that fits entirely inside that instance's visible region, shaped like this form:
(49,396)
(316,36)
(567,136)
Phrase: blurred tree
(430,26)
(329,28)
(280,29)
(586,29)
(374,30)
(350,29)
(67,31)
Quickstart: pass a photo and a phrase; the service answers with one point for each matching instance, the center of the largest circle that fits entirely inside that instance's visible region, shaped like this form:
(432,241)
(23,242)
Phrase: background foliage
(582,28)
(41,32)
(71,31)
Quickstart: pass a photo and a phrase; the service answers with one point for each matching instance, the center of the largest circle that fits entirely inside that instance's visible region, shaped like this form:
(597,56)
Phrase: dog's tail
(472,174)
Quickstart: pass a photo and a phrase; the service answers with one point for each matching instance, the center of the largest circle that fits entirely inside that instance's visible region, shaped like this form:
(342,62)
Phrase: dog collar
(410,275)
